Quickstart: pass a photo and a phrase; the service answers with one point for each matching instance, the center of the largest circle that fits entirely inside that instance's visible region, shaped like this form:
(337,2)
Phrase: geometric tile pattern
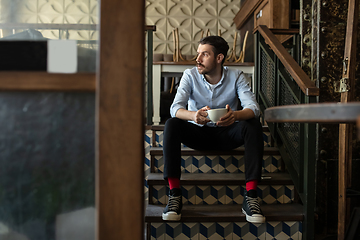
(227,231)
(267,139)
(284,230)
(272,163)
(275,194)
(219,164)
(208,194)
(147,146)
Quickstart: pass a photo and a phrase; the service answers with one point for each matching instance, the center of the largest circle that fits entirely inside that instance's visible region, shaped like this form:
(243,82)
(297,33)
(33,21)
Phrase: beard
(205,70)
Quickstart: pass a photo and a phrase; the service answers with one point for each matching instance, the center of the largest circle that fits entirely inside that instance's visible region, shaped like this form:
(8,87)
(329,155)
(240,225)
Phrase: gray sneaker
(251,208)
(172,211)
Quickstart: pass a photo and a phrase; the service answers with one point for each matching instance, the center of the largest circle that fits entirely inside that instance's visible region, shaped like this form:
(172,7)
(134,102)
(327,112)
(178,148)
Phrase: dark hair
(218,43)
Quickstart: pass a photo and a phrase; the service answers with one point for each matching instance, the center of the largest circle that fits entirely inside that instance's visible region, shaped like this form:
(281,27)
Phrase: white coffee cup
(215,114)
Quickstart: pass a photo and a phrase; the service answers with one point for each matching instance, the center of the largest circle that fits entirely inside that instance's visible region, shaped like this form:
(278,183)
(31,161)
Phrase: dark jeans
(247,132)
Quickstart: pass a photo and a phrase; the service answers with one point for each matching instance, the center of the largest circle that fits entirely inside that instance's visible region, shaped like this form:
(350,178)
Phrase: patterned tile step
(279,230)
(157,136)
(221,179)
(227,213)
(185,151)
(223,194)
(215,164)
(215,161)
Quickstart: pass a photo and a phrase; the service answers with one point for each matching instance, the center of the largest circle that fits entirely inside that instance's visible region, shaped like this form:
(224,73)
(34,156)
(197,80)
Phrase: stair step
(185,151)
(161,128)
(227,213)
(279,178)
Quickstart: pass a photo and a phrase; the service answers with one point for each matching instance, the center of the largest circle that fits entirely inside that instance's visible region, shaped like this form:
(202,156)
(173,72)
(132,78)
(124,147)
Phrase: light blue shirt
(197,93)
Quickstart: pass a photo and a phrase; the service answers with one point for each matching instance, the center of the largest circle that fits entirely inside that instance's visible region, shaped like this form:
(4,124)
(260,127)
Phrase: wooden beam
(281,31)
(120,121)
(246,11)
(42,81)
(345,130)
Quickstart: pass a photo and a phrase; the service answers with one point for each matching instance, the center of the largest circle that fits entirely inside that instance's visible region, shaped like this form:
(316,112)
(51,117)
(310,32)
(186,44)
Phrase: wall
(55,12)
(190,17)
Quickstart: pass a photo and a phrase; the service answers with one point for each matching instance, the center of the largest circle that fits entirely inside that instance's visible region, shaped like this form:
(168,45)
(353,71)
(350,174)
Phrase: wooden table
(337,113)
(315,113)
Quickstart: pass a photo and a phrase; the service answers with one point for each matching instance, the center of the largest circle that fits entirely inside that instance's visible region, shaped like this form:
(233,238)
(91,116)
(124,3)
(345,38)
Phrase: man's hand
(201,115)
(228,119)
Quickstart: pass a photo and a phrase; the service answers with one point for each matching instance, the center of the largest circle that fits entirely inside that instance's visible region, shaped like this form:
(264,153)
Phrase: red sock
(174,182)
(251,185)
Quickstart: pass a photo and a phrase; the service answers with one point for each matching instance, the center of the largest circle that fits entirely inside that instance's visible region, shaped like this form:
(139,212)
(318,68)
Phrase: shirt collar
(224,72)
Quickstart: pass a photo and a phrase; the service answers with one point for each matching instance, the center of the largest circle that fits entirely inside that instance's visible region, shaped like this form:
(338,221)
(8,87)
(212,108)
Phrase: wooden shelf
(43,81)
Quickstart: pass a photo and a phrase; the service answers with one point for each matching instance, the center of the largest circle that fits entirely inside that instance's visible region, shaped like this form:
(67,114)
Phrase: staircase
(213,184)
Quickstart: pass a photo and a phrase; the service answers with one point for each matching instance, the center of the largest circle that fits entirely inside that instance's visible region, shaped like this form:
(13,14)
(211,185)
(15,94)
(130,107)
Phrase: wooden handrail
(300,77)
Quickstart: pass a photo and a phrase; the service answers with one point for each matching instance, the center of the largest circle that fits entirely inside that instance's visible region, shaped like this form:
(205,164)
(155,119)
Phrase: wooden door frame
(346,130)
(120,121)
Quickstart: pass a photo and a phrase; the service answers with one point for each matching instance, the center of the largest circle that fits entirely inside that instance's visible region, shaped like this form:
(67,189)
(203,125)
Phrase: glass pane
(47,158)
(41,20)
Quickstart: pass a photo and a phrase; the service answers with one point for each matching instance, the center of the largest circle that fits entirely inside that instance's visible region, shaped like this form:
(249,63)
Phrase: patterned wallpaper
(55,12)
(190,17)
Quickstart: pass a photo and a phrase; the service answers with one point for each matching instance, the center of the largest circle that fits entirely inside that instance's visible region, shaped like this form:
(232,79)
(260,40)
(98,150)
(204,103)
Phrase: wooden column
(120,121)
(345,130)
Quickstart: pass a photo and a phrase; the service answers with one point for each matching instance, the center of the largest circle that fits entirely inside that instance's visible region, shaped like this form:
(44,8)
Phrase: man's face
(206,59)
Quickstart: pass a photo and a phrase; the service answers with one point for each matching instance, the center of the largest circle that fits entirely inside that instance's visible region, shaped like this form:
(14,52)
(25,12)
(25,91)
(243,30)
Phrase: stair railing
(279,80)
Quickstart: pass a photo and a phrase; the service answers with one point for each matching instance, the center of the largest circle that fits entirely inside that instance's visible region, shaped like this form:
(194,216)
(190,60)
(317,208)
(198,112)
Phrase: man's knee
(173,124)
(254,125)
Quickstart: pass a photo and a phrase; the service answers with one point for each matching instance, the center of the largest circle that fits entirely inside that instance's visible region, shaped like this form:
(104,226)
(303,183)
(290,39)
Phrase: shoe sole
(171,216)
(258,219)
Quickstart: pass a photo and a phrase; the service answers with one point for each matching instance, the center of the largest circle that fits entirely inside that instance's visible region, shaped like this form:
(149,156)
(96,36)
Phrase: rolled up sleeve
(246,96)
(182,95)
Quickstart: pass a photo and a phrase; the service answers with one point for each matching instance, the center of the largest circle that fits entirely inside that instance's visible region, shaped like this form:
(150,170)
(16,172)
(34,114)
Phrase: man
(210,85)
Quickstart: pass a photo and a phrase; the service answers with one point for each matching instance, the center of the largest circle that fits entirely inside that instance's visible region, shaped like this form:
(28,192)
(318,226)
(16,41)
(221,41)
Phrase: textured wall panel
(55,12)
(205,8)
(190,17)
